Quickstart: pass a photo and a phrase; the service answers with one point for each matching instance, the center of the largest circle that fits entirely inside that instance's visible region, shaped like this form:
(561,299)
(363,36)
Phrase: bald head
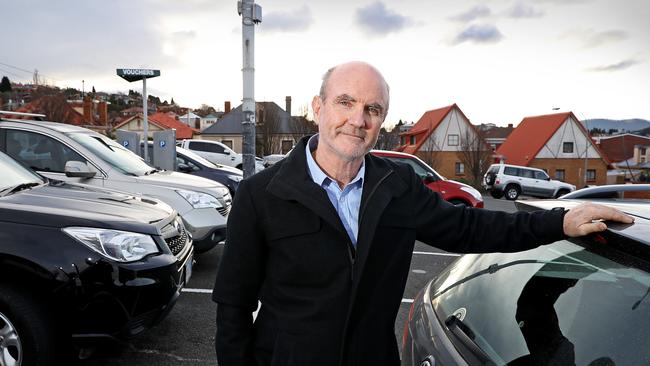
(352,68)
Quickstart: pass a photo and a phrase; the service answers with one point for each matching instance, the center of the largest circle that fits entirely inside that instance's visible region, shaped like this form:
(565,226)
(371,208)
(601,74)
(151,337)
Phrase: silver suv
(512,180)
(78,155)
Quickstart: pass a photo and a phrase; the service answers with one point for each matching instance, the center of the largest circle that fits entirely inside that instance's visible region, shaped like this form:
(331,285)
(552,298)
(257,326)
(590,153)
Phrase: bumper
(201,223)
(132,299)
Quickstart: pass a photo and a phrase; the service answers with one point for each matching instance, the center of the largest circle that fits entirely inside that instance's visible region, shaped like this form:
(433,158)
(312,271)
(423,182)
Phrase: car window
(13,173)
(39,152)
(510,171)
(419,169)
(218,149)
(493,169)
(189,154)
(183,160)
(540,175)
(563,305)
(527,173)
(199,146)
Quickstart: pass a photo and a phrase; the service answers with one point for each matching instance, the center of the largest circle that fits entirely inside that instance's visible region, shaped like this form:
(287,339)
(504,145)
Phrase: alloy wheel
(10,348)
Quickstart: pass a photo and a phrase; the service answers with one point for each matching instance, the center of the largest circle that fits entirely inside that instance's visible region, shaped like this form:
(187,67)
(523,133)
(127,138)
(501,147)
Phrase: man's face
(355,105)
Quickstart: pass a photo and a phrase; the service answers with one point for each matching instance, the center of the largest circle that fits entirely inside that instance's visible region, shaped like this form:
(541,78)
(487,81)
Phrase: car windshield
(559,304)
(14,174)
(421,169)
(112,153)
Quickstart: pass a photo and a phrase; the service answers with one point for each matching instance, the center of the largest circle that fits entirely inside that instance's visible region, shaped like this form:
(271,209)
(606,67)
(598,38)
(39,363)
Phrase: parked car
(218,153)
(81,262)
(79,155)
(452,191)
(513,180)
(190,163)
(579,301)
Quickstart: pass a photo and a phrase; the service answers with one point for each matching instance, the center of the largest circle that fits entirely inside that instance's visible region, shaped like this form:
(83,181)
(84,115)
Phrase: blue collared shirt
(346,201)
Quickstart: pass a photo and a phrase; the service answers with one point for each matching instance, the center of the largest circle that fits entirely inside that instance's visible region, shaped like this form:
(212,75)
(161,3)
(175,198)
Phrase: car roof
(59,127)
(392,153)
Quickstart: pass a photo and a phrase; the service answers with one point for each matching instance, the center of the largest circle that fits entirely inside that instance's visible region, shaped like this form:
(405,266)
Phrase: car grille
(227,204)
(175,236)
(224,211)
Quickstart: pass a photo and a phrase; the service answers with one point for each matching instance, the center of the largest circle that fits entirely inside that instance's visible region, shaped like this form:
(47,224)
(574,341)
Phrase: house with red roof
(157,122)
(559,144)
(439,138)
(629,154)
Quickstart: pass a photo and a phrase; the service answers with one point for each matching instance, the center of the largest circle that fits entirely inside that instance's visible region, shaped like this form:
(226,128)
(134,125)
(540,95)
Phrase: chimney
(226,107)
(102,109)
(88,110)
(509,125)
(288,104)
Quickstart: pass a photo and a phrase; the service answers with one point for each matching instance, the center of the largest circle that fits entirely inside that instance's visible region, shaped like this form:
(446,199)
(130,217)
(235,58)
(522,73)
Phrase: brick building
(559,144)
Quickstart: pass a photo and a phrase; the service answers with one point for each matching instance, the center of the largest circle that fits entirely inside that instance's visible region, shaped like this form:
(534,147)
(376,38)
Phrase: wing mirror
(78,169)
(429,178)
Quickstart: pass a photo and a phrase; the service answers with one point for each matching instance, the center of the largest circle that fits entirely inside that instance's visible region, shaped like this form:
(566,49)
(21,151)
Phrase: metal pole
(586,152)
(247,9)
(145,123)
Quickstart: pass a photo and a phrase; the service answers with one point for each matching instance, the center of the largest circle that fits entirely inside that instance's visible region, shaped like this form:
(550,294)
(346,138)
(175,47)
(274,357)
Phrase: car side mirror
(78,169)
(429,178)
(184,168)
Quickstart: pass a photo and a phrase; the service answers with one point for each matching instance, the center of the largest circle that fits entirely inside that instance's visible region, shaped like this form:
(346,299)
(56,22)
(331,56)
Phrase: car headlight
(121,246)
(235,178)
(476,194)
(200,200)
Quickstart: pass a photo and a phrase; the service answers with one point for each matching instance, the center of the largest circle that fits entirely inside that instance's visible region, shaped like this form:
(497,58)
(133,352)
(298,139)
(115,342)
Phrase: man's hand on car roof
(589,218)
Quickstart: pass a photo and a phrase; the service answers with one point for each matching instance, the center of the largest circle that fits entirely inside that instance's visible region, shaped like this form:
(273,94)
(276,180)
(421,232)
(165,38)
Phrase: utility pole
(251,14)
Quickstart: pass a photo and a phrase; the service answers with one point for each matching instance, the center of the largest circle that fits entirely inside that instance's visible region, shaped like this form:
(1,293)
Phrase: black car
(189,162)
(78,263)
(579,301)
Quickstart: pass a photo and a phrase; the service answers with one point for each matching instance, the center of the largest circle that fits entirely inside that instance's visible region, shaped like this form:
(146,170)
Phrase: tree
(267,135)
(475,154)
(301,127)
(94,92)
(5,85)
(387,140)
(430,152)
(204,110)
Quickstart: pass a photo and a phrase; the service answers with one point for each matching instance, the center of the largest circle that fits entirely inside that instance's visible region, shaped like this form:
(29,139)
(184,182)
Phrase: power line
(11,73)
(29,72)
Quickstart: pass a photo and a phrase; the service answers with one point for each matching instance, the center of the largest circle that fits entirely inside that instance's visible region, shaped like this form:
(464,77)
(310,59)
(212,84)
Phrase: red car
(452,191)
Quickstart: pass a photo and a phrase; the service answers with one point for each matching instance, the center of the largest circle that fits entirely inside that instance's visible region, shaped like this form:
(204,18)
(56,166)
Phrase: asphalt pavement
(186,336)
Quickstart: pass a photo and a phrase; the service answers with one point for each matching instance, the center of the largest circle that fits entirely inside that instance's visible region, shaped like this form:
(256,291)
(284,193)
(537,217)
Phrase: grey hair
(328,74)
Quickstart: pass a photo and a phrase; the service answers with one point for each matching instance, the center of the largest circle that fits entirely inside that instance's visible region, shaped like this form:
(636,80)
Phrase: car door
(46,155)
(528,184)
(544,185)
(210,151)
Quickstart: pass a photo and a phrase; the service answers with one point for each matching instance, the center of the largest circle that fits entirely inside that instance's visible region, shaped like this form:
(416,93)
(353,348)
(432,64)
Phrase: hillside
(629,125)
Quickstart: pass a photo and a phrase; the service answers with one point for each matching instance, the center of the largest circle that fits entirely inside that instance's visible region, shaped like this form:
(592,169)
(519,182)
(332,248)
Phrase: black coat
(322,302)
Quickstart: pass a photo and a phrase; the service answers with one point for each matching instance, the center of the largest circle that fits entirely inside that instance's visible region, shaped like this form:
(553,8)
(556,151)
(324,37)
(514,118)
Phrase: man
(323,239)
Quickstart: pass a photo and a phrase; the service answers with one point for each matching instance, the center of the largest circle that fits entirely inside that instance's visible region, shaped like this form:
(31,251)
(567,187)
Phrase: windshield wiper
(18,187)
(466,336)
(152,171)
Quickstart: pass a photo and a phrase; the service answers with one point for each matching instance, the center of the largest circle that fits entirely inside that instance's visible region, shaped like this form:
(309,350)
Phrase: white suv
(218,153)
(513,180)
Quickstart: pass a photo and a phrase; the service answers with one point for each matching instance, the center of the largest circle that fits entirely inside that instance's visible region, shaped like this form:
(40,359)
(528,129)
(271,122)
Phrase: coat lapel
(293,182)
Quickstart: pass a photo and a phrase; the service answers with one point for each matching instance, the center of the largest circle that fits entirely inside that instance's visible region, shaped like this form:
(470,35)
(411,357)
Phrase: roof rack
(12,113)
(607,191)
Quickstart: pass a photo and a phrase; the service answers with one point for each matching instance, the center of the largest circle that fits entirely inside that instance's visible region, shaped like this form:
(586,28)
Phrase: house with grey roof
(276,131)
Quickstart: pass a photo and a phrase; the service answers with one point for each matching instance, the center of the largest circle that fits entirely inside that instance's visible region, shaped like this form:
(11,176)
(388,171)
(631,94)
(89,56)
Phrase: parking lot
(186,336)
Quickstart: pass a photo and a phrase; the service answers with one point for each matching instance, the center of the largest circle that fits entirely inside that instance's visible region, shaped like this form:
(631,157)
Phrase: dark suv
(579,301)
(78,262)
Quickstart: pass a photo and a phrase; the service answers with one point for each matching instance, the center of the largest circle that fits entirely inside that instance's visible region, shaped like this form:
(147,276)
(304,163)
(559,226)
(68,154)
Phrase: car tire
(495,193)
(512,192)
(561,192)
(27,332)
(490,178)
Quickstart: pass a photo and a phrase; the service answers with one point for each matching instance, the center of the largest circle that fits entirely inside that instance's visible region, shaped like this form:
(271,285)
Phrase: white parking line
(440,254)
(207,291)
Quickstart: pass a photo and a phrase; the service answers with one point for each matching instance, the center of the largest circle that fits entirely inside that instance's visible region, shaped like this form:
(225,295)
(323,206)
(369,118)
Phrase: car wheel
(561,192)
(512,192)
(490,178)
(27,334)
(496,193)
(458,202)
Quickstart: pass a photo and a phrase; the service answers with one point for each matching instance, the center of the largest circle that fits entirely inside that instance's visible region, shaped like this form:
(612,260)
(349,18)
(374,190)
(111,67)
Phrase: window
(452,140)
(567,147)
(591,174)
(642,150)
(459,168)
(286,146)
(419,169)
(39,152)
(510,171)
(227,143)
(199,146)
(412,140)
(527,173)
(559,174)
(402,140)
(540,175)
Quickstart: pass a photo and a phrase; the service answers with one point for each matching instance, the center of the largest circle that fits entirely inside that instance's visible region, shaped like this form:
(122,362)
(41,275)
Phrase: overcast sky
(499,60)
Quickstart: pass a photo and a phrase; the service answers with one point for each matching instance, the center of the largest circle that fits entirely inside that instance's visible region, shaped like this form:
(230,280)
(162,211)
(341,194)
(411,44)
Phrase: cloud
(591,38)
(625,64)
(472,14)
(183,35)
(522,10)
(298,20)
(485,33)
(375,19)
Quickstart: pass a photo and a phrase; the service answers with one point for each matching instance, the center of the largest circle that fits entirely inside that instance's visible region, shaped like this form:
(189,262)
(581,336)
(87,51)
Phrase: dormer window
(567,147)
